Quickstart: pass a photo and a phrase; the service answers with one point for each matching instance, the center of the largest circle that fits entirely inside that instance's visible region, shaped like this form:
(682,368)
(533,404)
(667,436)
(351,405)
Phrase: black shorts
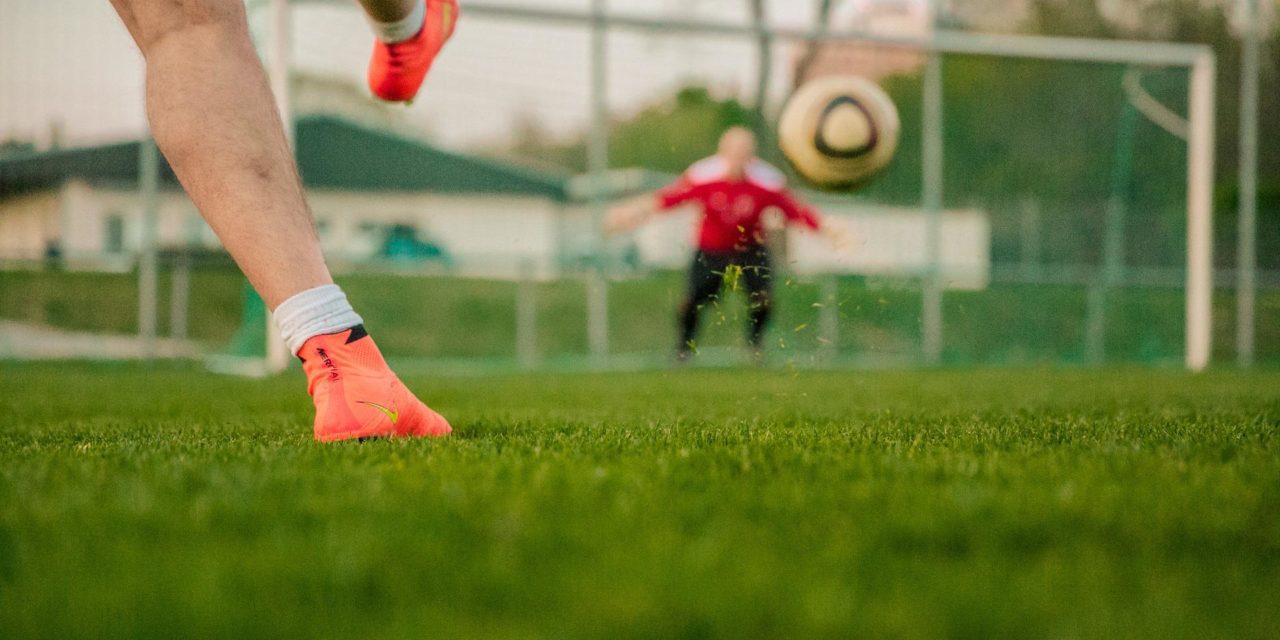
(749,270)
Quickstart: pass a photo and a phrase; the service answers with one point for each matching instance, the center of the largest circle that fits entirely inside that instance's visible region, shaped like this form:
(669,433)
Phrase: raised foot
(397,70)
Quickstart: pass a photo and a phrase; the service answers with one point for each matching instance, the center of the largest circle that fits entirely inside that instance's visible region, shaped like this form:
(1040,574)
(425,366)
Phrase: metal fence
(1088,262)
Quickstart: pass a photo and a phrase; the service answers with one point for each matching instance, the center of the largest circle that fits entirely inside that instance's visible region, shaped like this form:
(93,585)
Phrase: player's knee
(159,21)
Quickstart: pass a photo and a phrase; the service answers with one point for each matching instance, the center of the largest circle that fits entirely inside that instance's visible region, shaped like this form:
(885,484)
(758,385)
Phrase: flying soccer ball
(839,131)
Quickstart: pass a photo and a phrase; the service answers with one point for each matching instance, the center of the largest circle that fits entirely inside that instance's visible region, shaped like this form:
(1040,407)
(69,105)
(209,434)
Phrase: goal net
(1051,213)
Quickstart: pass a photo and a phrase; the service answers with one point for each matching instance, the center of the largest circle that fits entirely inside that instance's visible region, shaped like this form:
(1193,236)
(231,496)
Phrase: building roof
(33,171)
(332,152)
(339,154)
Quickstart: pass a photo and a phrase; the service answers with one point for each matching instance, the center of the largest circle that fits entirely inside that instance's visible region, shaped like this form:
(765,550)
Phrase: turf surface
(166,502)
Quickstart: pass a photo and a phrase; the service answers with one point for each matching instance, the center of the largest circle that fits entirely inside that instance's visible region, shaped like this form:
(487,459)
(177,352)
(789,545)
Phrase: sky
(72,63)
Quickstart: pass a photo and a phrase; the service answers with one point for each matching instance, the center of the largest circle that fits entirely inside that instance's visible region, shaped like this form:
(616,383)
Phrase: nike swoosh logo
(393,415)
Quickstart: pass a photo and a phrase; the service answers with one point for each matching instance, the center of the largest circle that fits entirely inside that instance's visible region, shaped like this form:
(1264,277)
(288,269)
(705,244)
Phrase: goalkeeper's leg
(214,118)
(757,274)
(706,276)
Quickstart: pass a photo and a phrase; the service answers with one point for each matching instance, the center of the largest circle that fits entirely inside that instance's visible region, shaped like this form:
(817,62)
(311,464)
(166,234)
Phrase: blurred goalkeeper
(734,189)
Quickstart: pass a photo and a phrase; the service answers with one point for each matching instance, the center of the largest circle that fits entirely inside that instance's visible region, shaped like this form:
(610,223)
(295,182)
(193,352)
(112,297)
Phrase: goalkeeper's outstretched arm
(631,215)
(634,213)
(799,212)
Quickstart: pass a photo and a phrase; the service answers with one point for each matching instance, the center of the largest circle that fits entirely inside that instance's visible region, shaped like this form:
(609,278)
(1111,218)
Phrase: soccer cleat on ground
(396,71)
(356,393)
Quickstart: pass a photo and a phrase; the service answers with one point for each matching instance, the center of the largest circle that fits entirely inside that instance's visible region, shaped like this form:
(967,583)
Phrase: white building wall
(27,224)
(86,211)
(492,236)
(80,229)
(486,236)
(889,242)
(499,236)
(178,221)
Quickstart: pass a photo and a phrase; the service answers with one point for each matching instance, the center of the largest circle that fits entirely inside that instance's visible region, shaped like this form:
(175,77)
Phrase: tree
(668,135)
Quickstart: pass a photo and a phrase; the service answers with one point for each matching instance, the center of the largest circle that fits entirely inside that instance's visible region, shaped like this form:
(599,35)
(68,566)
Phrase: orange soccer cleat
(397,70)
(356,393)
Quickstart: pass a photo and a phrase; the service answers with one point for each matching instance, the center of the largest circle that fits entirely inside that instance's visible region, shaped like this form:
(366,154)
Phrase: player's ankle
(403,29)
(317,311)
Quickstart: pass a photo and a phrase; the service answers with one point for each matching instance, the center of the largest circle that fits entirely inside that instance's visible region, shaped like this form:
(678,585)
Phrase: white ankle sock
(314,312)
(402,29)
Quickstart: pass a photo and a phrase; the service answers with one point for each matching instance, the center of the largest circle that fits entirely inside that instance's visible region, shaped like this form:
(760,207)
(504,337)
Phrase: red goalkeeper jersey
(732,208)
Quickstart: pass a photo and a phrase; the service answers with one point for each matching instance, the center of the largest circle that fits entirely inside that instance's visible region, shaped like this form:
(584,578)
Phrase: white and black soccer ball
(839,131)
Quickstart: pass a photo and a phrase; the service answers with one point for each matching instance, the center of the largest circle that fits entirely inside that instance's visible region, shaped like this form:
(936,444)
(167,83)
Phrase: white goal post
(1199,59)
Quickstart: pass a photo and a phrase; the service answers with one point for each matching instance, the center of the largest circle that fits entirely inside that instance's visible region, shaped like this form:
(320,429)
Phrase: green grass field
(166,502)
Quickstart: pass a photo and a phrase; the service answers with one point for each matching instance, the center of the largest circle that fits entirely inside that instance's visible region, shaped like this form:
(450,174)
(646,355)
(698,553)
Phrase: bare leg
(387,10)
(213,116)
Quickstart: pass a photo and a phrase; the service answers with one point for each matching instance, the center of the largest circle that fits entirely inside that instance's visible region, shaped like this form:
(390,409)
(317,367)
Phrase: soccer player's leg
(757,275)
(409,34)
(706,276)
(213,117)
